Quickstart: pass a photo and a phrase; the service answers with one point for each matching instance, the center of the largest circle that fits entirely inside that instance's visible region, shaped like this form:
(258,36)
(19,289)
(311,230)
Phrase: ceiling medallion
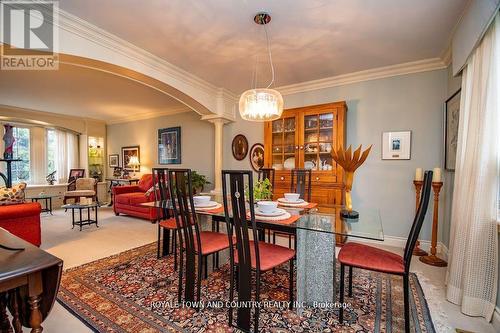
(262,104)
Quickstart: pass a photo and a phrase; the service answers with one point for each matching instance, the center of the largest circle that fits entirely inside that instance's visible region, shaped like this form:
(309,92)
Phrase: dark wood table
(118,182)
(29,281)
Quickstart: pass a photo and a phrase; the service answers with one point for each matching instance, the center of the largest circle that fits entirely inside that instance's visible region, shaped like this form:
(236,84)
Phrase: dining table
(316,230)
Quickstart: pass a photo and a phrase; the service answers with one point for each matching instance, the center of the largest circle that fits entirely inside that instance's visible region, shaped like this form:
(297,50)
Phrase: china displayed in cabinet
(304,138)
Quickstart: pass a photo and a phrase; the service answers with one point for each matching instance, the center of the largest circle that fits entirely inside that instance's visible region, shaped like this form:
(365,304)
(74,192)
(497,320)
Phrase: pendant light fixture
(263,104)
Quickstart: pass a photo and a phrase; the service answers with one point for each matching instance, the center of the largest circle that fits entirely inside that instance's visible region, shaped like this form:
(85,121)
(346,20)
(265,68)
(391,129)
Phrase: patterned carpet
(135,292)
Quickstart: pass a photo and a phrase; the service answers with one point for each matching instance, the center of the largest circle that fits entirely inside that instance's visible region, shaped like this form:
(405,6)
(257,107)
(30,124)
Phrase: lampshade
(261,105)
(133,161)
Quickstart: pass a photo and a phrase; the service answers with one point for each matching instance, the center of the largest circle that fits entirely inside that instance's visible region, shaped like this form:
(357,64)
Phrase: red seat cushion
(212,242)
(270,255)
(169,223)
(132,199)
(371,258)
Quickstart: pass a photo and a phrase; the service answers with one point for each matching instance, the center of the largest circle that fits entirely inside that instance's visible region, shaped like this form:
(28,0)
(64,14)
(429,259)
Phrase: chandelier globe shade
(261,105)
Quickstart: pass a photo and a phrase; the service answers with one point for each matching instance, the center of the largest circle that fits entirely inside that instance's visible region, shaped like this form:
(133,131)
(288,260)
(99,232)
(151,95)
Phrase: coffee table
(47,198)
(81,221)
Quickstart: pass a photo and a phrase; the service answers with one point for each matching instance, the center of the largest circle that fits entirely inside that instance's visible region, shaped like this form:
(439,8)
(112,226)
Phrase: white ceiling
(83,92)
(311,39)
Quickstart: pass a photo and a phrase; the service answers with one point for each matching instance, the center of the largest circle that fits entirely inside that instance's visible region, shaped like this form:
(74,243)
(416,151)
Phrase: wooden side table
(27,274)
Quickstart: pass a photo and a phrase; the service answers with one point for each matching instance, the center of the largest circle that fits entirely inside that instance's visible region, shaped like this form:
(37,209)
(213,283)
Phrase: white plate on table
(210,204)
(276,212)
(297,202)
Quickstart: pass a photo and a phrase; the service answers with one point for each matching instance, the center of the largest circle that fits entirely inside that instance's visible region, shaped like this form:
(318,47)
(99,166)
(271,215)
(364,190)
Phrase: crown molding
(446,55)
(366,75)
(147,115)
(82,28)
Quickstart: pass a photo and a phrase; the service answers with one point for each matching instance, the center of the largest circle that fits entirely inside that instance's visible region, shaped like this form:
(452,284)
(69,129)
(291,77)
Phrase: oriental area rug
(135,292)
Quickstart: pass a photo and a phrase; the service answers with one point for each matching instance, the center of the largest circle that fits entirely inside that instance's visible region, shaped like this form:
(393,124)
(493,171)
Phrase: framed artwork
(240,147)
(396,145)
(169,145)
(451,120)
(257,156)
(114,160)
(127,153)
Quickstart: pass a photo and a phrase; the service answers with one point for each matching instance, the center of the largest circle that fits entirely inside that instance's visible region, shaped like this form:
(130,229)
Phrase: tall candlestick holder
(417,251)
(432,258)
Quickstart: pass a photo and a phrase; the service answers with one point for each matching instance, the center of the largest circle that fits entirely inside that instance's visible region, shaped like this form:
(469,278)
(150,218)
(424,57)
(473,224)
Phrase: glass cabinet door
(318,141)
(283,143)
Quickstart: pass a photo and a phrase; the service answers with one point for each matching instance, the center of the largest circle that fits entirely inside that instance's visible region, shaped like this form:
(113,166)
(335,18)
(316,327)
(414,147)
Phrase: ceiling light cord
(270,57)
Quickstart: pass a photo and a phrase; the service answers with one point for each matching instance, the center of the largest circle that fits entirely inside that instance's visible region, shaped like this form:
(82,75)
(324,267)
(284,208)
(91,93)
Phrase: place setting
(203,204)
(269,211)
(293,200)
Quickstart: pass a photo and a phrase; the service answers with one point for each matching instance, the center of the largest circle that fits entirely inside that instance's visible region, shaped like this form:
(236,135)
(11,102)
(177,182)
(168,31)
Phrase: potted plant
(198,182)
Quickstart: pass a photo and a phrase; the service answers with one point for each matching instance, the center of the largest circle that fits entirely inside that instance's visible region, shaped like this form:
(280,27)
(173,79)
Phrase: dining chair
(166,222)
(196,244)
(249,255)
(374,259)
(300,182)
(268,173)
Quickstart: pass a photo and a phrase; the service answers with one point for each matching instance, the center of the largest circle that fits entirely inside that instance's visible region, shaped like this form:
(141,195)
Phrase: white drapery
(66,154)
(472,273)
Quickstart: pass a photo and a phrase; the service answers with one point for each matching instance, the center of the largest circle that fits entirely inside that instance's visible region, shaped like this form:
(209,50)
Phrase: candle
(419,175)
(436,176)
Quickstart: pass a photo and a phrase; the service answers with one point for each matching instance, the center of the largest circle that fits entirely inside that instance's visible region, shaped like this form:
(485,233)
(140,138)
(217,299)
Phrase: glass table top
(319,219)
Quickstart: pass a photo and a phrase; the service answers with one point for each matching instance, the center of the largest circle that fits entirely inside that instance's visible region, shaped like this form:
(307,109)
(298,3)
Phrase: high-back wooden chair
(268,173)
(197,244)
(374,259)
(249,255)
(301,183)
(166,221)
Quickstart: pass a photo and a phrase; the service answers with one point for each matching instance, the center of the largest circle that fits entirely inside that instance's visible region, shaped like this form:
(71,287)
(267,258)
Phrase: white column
(218,153)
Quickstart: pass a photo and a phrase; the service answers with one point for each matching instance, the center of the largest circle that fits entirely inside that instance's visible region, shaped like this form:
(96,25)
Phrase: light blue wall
(409,102)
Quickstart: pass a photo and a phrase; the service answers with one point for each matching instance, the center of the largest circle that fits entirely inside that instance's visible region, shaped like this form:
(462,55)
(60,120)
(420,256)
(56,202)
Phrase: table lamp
(134,163)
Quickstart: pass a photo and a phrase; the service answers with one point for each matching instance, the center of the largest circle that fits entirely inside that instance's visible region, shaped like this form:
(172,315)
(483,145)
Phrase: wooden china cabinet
(304,138)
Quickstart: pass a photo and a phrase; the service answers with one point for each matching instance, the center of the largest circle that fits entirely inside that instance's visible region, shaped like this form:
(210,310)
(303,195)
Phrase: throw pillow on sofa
(13,195)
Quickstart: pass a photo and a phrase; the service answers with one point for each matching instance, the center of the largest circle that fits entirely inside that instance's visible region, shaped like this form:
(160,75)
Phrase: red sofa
(128,199)
(23,220)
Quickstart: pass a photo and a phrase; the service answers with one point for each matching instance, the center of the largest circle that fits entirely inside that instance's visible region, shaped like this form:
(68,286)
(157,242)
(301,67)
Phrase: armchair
(83,187)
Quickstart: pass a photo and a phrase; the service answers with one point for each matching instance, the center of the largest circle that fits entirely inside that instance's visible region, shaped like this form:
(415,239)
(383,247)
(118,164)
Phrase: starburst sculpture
(349,162)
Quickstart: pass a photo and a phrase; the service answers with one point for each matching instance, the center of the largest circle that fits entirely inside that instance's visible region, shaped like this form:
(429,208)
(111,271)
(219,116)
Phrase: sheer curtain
(66,154)
(472,273)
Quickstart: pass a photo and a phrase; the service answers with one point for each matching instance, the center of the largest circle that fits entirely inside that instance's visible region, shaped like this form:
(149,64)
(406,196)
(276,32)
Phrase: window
(21,170)
(51,150)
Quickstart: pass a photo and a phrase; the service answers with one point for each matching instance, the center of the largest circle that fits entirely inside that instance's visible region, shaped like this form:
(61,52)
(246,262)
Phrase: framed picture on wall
(396,145)
(169,145)
(256,156)
(127,153)
(114,160)
(451,118)
(239,147)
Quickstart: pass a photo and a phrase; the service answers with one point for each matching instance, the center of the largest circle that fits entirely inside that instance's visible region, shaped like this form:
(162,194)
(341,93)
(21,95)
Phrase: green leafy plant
(262,190)
(198,181)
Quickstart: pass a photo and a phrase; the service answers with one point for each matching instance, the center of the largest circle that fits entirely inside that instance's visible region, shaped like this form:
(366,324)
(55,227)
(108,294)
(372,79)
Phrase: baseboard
(496,319)
(400,242)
